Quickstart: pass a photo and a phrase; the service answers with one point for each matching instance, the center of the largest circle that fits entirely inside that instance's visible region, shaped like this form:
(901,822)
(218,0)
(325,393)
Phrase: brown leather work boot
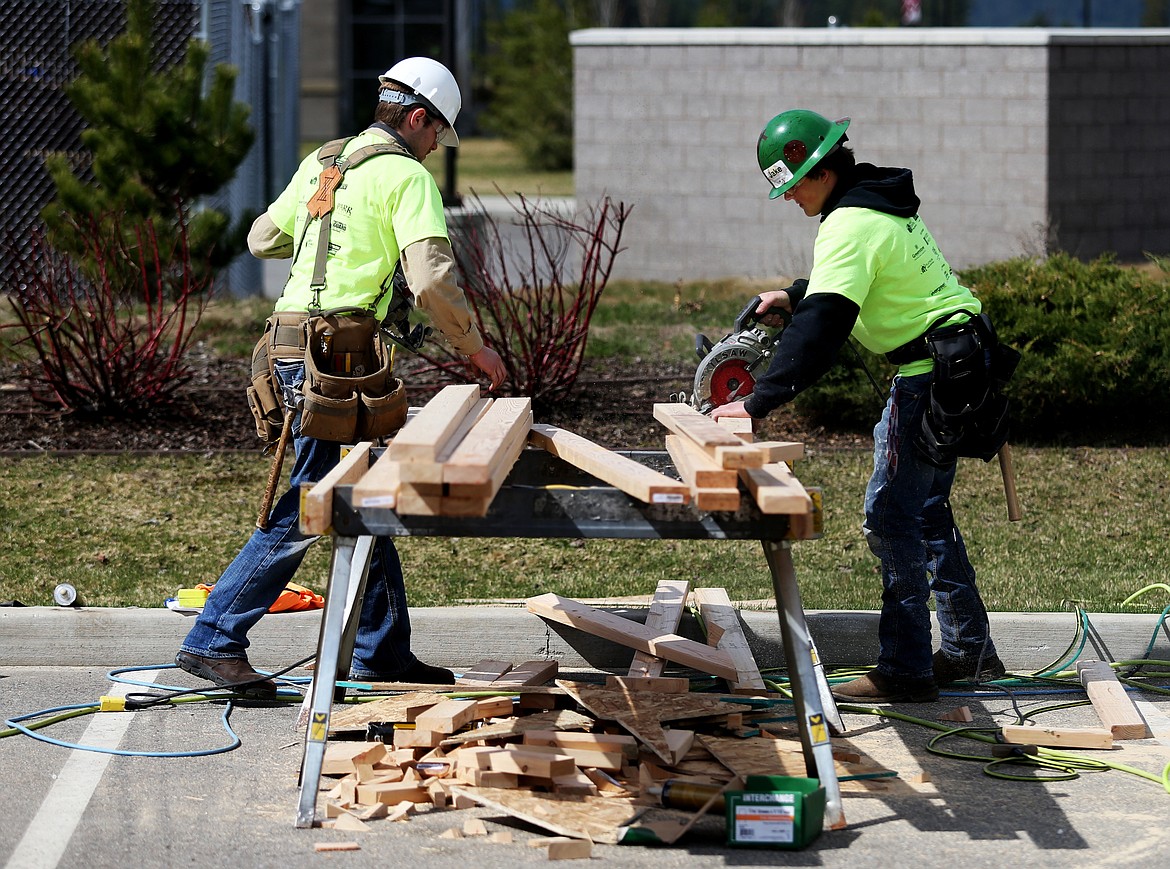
(234,673)
(875,687)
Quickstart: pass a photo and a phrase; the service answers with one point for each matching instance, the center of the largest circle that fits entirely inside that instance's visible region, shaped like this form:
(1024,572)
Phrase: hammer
(274,472)
(1009,482)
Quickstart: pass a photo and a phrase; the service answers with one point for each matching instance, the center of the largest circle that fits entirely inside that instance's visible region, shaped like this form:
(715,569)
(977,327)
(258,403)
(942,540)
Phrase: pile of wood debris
(585,761)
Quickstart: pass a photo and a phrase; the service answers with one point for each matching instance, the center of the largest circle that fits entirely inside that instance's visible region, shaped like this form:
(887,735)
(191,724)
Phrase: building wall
(668,119)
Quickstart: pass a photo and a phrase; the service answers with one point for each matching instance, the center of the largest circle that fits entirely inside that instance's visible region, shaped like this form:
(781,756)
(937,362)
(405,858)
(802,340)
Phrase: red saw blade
(731,381)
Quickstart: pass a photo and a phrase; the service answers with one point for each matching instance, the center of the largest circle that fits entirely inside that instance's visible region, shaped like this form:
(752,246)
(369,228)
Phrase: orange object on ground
(294,598)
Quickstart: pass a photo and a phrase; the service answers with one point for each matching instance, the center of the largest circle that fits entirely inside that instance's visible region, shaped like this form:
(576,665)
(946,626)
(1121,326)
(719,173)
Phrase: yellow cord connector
(112,704)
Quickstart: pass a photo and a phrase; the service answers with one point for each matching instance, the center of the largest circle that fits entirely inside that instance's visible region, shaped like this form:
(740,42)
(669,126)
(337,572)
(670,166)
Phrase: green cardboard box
(775,811)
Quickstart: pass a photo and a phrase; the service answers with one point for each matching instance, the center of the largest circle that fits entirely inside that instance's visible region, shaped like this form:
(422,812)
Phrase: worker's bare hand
(489,362)
(735,409)
(774,299)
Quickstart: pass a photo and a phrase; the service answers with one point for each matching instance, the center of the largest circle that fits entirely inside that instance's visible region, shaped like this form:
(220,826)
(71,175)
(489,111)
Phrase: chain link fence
(37,41)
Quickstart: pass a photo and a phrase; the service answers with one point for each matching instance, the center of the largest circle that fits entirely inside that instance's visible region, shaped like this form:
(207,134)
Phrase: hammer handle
(274,471)
(1009,482)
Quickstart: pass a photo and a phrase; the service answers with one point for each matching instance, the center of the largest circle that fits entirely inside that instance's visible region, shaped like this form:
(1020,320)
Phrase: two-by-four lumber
(427,476)
(484,673)
(629,633)
(1113,706)
(1058,737)
(317,503)
(484,448)
(723,445)
(423,437)
(713,488)
(666,609)
(776,489)
(717,612)
(633,478)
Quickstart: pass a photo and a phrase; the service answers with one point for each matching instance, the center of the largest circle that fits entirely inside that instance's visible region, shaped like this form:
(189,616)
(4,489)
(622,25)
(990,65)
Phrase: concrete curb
(458,637)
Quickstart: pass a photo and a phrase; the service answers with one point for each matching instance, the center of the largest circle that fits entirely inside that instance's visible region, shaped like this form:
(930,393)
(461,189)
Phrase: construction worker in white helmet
(384,212)
(879,276)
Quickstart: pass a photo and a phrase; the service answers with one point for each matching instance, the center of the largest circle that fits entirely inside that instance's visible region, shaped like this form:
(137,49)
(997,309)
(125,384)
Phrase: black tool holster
(968,413)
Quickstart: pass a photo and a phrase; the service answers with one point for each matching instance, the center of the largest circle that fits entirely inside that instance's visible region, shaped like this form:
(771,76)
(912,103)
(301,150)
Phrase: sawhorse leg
(343,597)
(816,711)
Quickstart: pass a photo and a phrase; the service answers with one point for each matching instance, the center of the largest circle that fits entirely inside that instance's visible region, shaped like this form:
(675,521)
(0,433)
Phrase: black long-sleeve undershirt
(807,348)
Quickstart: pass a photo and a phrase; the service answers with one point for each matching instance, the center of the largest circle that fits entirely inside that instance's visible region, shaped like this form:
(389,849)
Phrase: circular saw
(727,369)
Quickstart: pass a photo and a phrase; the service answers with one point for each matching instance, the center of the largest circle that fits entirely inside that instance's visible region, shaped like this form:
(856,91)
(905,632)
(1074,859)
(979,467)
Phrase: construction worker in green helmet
(878,276)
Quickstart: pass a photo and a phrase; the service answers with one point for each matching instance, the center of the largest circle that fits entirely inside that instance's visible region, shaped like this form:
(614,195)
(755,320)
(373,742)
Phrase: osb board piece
(761,755)
(598,819)
(642,713)
(359,716)
(553,719)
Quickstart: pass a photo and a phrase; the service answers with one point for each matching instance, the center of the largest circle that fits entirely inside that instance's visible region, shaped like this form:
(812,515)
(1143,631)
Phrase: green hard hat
(794,142)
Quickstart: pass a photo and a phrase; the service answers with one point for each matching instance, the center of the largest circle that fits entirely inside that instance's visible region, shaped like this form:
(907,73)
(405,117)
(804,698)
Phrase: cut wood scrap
(317,503)
(776,489)
(1058,737)
(530,760)
(601,819)
(447,717)
(493,707)
(484,673)
(696,467)
(424,436)
(584,757)
(387,710)
(607,742)
(559,719)
(474,827)
(1113,706)
(341,757)
(666,609)
(643,714)
(633,478)
(348,823)
(716,610)
(576,783)
(500,837)
(417,737)
(655,684)
(336,846)
(960,714)
(680,743)
(489,441)
(392,793)
(569,849)
(724,446)
(628,633)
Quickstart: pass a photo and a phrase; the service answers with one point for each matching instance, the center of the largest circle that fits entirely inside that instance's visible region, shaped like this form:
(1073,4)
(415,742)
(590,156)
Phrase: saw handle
(749,315)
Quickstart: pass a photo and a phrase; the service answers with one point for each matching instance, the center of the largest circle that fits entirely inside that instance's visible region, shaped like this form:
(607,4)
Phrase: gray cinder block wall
(1022,141)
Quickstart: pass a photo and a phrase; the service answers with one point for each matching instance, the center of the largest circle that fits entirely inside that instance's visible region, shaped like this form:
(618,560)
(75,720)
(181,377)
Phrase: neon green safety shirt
(384,205)
(891,268)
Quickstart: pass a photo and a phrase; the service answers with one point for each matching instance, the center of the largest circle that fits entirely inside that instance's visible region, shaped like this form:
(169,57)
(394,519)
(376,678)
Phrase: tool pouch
(968,414)
(263,394)
(350,392)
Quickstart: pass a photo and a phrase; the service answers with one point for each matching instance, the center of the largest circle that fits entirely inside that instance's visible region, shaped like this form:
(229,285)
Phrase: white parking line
(48,834)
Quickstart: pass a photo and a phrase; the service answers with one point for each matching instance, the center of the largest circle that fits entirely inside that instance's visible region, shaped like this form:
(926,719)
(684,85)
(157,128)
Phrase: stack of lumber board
(451,457)
(713,458)
(454,453)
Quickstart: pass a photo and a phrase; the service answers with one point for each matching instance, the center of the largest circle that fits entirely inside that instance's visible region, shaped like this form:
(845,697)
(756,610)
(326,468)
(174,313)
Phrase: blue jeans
(258,574)
(909,526)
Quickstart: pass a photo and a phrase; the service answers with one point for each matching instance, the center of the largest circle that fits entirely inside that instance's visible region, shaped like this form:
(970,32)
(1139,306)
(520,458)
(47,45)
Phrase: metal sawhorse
(545,496)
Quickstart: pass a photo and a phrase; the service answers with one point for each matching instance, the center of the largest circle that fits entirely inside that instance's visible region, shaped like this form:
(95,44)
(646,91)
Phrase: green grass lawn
(129,531)
(482,165)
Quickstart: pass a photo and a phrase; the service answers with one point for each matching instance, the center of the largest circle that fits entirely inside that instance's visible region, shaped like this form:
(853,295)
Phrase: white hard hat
(435,88)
